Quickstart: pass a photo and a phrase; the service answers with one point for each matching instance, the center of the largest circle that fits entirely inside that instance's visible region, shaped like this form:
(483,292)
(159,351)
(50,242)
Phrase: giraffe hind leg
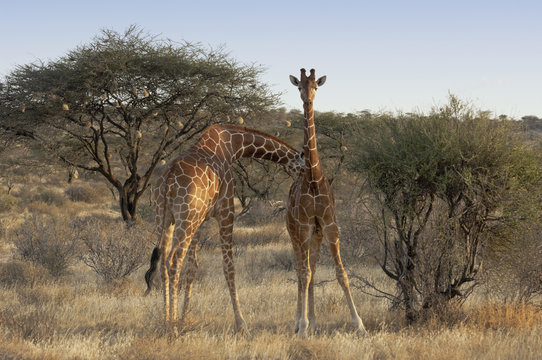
(164,244)
(182,238)
(192,267)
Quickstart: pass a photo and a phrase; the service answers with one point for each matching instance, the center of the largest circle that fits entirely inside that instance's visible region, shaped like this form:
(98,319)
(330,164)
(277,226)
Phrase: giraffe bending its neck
(199,185)
(311,217)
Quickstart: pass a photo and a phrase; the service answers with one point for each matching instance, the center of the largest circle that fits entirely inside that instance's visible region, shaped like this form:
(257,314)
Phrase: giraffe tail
(161,206)
(152,269)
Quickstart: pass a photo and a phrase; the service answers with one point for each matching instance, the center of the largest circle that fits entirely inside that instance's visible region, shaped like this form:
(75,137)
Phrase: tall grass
(79,316)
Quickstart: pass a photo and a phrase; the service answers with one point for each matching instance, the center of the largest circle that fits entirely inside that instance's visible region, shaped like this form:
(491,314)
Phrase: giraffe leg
(183,236)
(305,280)
(164,245)
(172,286)
(226,229)
(304,277)
(298,266)
(315,244)
(165,278)
(190,275)
(293,229)
(332,236)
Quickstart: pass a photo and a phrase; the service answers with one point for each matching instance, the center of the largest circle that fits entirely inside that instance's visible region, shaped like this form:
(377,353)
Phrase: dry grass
(85,193)
(78,316)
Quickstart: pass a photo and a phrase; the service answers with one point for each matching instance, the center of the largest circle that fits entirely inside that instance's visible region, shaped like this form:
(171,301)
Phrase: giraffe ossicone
(196,186)
(310,217)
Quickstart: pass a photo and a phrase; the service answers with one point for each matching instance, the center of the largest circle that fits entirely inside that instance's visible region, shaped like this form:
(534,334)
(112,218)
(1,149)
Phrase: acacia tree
(123,103)
(446,186)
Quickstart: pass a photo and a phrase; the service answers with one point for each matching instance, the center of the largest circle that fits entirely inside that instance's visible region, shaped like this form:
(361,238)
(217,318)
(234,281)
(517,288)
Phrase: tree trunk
(128,205)
(409,300)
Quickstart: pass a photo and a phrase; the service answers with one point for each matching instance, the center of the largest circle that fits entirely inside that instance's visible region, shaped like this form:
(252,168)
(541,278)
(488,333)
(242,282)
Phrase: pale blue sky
(378,55)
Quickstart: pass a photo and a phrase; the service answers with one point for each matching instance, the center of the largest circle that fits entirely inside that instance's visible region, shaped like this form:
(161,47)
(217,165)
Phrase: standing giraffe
(311,217)
(198,185)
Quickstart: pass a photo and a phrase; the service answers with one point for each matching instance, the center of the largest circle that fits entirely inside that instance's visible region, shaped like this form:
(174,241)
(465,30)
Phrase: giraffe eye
(299,89)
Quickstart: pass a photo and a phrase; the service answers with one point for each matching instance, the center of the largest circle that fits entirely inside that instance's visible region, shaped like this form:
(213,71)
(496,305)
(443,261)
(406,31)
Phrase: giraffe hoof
(313,327)
(361,332)
(173,333)
(243,331)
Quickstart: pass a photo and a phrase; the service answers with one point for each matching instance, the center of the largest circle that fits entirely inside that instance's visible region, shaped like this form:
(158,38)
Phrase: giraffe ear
(321,80)
(294,80)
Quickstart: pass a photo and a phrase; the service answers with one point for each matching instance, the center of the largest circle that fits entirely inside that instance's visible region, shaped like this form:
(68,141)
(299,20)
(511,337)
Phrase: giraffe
(310,217)
(196,186)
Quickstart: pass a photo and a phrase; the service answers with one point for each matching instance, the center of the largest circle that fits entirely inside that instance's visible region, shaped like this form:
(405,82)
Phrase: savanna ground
(75,314)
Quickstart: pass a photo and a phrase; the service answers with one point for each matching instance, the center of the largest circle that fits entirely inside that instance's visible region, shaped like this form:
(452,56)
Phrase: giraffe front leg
(314,252)
(299,299)
(333,240)
(305,278)
(226,232)
(298,266)
(301,248)
(298,236)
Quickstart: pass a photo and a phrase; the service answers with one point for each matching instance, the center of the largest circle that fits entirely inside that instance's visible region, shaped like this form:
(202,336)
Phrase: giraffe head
(307,85)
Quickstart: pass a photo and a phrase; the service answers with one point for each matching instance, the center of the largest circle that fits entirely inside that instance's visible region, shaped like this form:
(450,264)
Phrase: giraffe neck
(259,145)
(233,142)
(313,170)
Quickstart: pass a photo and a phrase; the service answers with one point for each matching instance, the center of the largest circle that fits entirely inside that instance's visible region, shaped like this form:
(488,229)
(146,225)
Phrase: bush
(39,207)
(7,202)
(514,272)
(114,250)
(20,273)
(49,197)
(47,242)
(446,186)
(83,193)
